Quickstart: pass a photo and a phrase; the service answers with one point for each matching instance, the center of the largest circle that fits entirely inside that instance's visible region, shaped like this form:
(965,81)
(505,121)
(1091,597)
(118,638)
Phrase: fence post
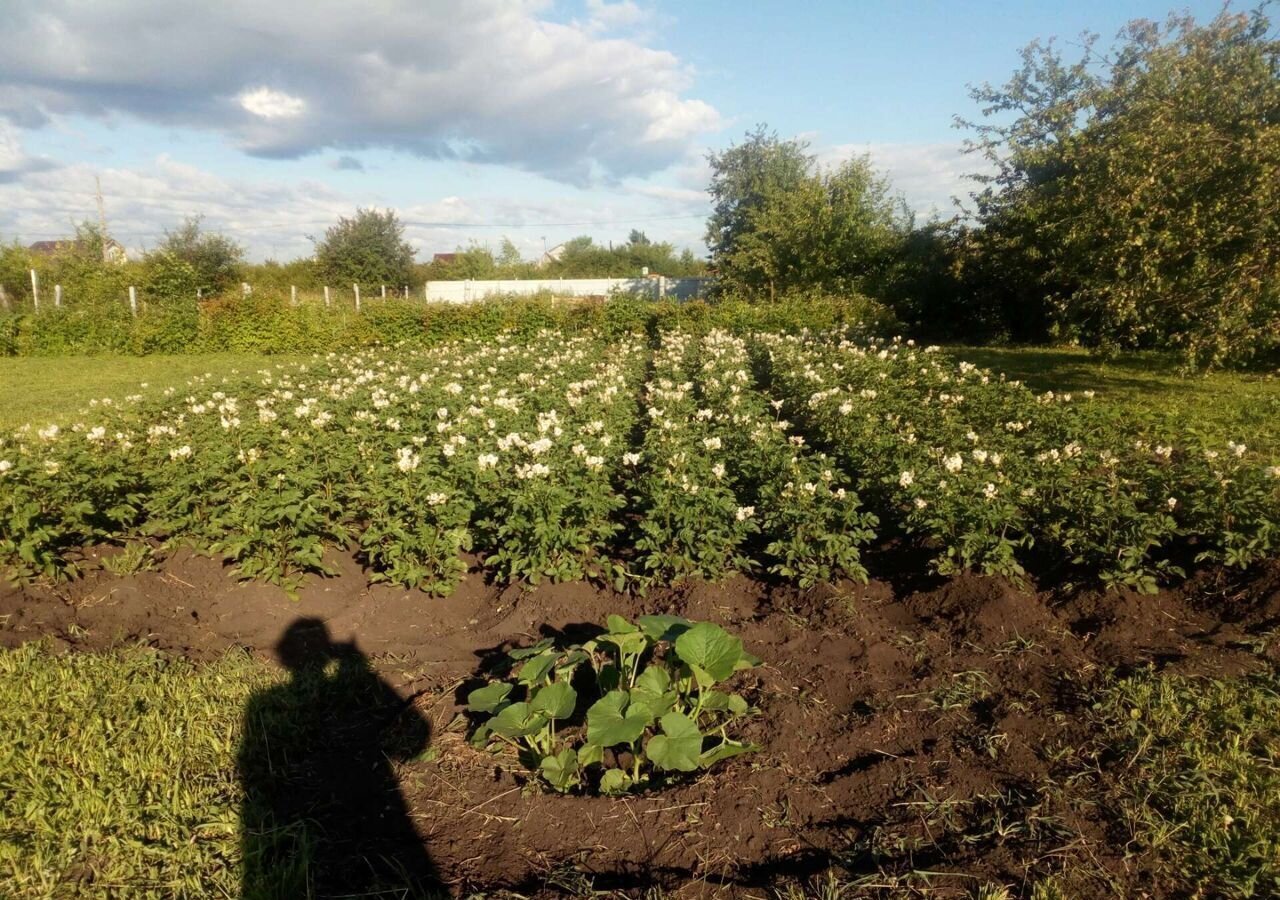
(384,292)
(245,289)
(133,300)
(35,288)
(293,295)
(357,288)
(326,296)
(426,291)
(406,292)
(57,295)
(4,299)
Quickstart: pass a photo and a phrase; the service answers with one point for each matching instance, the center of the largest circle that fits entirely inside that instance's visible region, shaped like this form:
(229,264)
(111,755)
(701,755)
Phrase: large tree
(368,249)
(1136,192)
(781,222)
(215,259)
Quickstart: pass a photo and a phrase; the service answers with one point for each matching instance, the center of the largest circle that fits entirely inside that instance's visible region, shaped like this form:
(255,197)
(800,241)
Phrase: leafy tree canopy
(215,259)
(1136,192)
(781,222)
(368,249)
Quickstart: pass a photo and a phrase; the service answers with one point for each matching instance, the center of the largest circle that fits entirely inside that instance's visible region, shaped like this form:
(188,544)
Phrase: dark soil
(927,729)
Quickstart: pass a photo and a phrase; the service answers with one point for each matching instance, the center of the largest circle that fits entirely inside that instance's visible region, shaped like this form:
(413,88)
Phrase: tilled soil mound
(905,731)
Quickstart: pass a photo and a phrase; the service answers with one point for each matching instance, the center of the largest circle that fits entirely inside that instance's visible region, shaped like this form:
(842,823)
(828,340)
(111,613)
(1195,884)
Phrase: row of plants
(561,456)
(997,478)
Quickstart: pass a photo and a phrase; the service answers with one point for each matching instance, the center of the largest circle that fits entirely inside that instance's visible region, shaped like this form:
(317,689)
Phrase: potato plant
(625,711)
(562,457)
(996,477)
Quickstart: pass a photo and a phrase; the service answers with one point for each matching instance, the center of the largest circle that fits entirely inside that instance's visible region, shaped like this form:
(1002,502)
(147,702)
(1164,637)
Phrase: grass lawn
(1222,406)
(45,390)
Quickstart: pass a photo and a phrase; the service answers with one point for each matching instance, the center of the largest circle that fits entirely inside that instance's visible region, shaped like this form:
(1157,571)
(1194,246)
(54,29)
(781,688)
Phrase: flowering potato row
(557,457)
(998,478)
(722,486)
(806,508)
(412,457)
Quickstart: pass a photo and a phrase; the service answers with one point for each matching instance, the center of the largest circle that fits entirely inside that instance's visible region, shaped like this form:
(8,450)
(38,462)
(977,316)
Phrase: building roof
(48,248)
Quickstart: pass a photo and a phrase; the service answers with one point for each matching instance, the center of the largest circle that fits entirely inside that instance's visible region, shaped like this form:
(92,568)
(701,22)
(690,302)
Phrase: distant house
(552,255)
(115,250)
(444,258)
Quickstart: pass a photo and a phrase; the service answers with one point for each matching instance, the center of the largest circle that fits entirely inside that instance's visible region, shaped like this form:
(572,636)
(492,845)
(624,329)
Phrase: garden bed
(908,727)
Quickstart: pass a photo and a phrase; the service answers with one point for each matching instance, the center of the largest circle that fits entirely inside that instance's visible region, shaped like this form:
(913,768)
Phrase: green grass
(1221,406)
(118,774)
(1197,777)
(44,390)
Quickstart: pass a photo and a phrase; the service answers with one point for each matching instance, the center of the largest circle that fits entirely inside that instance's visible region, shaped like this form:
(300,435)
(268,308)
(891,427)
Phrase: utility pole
(102,218)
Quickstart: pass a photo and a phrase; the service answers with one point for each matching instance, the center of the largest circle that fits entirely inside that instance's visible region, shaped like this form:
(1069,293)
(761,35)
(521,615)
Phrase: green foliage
(579,257)
(644,707)
(557,456)
(367,249)
(780,223)
(1199,784)
(999,479)
(1137,192)
(214,260)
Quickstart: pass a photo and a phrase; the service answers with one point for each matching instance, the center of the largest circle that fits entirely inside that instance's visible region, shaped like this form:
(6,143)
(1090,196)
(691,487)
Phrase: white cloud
(275,218)
(486,80)
(606,16)
(14,159)
(269,104)
(927,175)
(12,155)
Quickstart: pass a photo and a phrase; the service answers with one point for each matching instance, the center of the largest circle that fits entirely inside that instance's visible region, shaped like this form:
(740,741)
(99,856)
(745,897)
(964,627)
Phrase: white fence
(656,287)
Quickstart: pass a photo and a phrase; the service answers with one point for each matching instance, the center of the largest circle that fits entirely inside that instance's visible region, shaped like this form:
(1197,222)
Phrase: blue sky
(530,119)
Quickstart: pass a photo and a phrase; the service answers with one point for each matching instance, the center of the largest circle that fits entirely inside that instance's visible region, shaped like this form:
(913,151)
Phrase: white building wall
(466,291)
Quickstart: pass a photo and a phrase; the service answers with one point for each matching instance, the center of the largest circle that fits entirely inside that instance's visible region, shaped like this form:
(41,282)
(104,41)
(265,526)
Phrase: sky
(474,121)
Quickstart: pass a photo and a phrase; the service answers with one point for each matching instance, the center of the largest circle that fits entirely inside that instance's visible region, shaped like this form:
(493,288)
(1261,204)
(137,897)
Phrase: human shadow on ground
(323,814)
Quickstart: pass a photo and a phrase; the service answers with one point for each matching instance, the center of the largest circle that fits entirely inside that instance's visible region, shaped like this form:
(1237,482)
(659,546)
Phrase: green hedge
(268,323)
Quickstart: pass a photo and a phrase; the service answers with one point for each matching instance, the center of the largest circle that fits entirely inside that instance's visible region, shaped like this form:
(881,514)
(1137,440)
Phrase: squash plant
(622,712)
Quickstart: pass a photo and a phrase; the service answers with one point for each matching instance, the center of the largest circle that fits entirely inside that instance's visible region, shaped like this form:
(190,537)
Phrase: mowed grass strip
(118,773)
(44,390)
(1220,406)
(1195,774)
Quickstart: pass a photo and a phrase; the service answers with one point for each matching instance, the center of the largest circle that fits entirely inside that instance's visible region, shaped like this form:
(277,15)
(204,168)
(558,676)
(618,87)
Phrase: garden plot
(934,574)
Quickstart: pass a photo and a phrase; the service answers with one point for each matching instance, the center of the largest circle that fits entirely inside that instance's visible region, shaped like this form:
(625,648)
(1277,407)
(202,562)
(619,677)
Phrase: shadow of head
(306,646)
